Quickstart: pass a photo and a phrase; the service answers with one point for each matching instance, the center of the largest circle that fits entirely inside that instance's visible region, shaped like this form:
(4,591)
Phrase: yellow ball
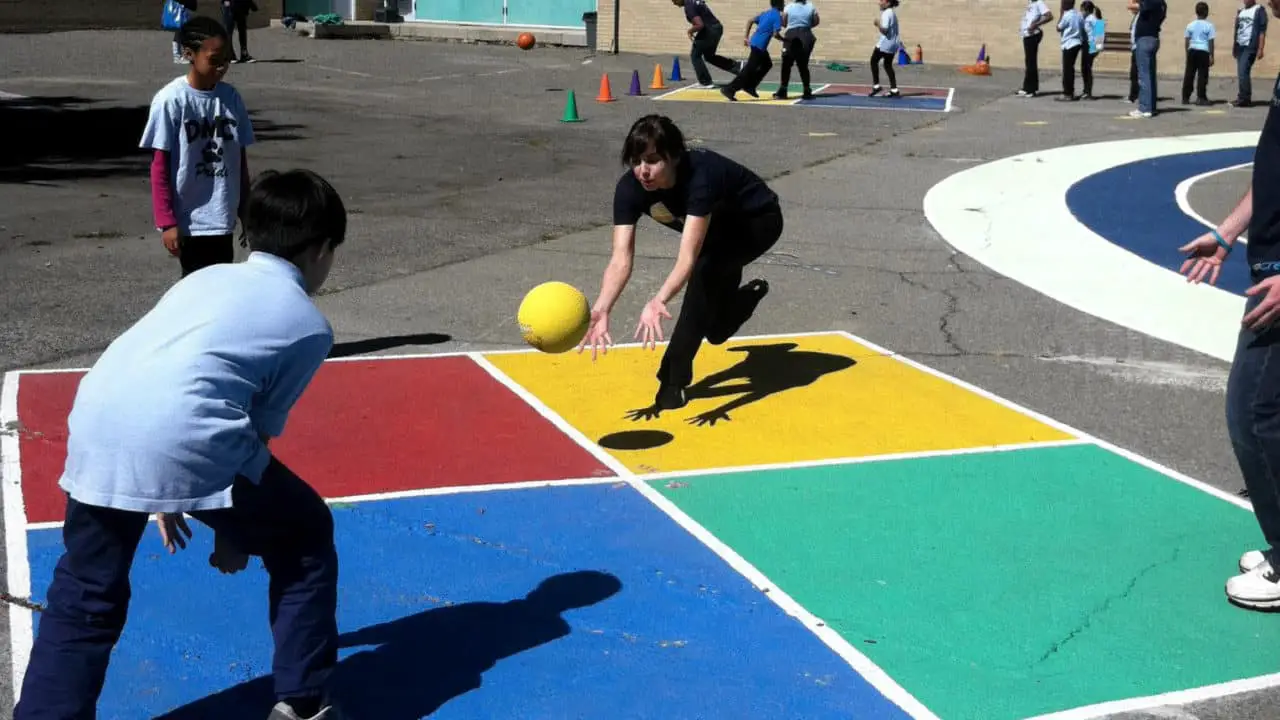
(554,317)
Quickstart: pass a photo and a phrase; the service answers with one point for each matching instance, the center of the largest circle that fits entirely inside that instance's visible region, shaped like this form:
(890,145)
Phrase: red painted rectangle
(904,90)
(363,426)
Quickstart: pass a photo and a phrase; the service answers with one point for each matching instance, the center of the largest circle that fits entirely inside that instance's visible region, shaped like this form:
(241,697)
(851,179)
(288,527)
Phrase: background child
(199,129)
(1071,27)
(1095,29)
(1199,38)
(887,43)
(175,418)
(767,24)
(800,17)
(235,16)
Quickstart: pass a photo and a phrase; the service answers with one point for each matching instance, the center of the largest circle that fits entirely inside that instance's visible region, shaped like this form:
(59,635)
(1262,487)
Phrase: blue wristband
(1223,243)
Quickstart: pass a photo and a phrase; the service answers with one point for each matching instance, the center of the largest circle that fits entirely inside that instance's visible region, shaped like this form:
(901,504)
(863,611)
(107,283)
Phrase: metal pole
(616,5)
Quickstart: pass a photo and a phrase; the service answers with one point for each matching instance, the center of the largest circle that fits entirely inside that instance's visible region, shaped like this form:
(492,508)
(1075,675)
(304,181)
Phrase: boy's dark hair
(776,4)
(289,212)
(1202,10)
(195,31)
(657,130)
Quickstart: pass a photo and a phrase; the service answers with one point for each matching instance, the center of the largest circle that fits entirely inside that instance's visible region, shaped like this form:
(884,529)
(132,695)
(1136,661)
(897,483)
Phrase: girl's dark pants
(1031,58)
(1086,69)
(282,520)
(1253,422)
(1197,72)
(195,253)
(797,46)
(713,307)
(1069,70)
(757,67)
(878,56)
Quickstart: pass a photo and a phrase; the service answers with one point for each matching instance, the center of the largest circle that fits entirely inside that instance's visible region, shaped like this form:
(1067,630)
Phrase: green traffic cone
(571,109)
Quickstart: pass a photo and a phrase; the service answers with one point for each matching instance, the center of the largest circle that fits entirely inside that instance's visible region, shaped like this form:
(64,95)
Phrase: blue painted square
(435,620)
(925,103)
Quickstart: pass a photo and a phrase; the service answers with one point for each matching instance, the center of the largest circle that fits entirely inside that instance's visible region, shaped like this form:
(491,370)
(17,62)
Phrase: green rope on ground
(327,19)
(837,67)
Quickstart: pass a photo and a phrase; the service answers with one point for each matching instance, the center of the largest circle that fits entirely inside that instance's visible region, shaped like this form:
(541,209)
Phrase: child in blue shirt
(768,25)
(174,418)
(1199,41)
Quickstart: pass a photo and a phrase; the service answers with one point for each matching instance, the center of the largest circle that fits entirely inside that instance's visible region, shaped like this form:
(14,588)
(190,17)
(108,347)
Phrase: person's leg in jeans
(1147,47)
(286,523)
(241,19)
(85,610)
(1253,423)
(1031,57)
(714,306)
(1244,76)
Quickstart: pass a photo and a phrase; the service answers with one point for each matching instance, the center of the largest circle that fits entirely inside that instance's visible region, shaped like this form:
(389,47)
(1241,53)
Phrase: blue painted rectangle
(558,13)
(933,104)
(434,622)
(470,11)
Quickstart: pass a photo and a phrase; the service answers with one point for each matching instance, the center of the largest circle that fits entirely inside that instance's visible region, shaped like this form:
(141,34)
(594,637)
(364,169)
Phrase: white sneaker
(282,711)
(1139,114)
(1251,560)
(1258,589)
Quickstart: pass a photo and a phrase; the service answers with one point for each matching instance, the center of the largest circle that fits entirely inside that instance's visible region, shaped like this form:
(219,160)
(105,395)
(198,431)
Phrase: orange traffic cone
(657,79)
(606,93)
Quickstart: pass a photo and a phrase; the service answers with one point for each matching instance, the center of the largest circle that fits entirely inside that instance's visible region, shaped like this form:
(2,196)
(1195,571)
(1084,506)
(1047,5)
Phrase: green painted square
(1005,584)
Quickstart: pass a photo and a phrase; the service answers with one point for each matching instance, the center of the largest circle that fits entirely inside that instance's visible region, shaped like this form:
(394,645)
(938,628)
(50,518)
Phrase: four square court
(827,530)
(829,95)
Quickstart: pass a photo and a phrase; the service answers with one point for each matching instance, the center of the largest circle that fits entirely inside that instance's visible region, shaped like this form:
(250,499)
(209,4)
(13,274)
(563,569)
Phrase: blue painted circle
(1134,206)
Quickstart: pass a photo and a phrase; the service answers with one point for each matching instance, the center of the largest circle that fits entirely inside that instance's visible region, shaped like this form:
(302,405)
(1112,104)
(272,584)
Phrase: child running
(199,129)
(175,418)
(800,17)
(767,25)
(887,43)
(726,216)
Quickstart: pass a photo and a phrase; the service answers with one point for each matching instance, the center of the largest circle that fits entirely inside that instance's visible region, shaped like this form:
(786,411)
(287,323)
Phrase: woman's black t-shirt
(707,183)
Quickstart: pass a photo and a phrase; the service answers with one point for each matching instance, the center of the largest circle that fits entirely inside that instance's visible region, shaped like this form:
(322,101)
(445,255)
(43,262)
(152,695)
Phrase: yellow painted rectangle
(768,400)
(705,95)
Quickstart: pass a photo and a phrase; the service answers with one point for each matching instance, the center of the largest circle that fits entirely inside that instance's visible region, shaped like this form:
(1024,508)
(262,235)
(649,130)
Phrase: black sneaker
(670,397)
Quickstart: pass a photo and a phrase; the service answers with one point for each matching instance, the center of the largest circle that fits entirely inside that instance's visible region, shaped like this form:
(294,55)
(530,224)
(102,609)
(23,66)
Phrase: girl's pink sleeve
(162,191)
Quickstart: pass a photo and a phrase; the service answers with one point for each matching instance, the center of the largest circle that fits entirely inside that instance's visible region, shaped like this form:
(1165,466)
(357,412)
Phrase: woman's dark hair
(290,212)
(195,31)
(776,4)
(655,130)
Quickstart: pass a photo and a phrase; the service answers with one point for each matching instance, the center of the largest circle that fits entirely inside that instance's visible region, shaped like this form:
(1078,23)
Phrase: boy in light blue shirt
(175,418)
(768,24)
(1199,41)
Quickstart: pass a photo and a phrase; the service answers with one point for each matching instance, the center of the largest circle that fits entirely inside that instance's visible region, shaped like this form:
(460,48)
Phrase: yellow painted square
(714,95)
(767,400)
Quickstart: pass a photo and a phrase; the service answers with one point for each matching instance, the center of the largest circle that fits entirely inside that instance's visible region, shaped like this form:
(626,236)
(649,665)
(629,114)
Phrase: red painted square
(364,426)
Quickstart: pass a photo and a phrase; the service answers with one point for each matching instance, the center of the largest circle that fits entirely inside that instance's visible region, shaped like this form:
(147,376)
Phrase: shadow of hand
(710,417)
(647,413)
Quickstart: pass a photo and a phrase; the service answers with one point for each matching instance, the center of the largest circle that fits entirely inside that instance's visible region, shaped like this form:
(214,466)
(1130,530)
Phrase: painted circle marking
(1015,216)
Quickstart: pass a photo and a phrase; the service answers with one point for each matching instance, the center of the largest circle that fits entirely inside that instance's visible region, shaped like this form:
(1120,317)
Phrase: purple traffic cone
(635,84)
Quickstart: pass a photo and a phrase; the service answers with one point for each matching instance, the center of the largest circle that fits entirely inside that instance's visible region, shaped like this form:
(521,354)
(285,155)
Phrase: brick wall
(951,37)
(60,15)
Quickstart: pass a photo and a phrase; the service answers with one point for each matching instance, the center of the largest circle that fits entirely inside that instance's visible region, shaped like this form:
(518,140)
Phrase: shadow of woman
(416,664)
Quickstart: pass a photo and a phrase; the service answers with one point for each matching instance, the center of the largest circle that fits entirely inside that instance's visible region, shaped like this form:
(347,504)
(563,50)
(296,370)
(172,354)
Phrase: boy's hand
(172,527)
(226,557)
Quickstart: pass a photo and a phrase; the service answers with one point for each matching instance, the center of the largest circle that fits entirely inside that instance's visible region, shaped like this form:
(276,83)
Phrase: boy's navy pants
(282,520)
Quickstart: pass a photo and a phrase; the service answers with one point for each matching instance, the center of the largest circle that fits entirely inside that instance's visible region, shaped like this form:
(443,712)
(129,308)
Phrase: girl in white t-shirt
(887,43)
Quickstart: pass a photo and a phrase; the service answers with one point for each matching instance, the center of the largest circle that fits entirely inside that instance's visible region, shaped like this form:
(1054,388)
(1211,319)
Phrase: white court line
(1011,215)
(469,353)
(869,671)
(1180,697)
(1183,189)
(17,561)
